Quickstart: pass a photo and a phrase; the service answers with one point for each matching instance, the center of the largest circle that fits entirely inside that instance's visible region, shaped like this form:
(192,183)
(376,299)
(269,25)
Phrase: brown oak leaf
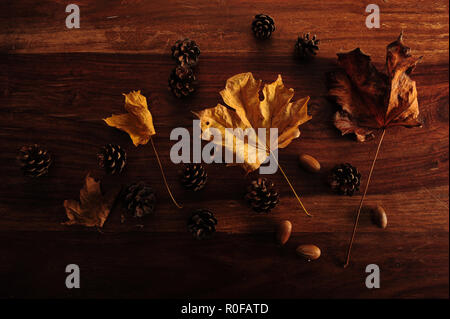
(93,208)
(371,99)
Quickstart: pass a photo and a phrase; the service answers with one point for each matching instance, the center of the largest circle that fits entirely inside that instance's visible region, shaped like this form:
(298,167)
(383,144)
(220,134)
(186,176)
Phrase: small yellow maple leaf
(138,122)
(92,209)
(241,93)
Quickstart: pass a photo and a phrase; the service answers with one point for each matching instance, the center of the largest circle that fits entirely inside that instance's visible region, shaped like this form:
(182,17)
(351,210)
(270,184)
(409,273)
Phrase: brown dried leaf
(92,209)
(373,100)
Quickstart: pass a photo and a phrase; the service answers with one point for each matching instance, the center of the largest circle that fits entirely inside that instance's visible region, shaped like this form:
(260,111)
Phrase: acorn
(379,216)
(309,163)
(308,252)
(284,231)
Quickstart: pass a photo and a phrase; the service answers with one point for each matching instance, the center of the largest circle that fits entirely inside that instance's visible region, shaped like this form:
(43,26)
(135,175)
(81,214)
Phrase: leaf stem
(347,260)
(290,185)
(163,175)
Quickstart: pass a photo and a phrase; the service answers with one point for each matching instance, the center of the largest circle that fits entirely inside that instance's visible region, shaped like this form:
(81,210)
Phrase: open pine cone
(34,160)
(306,46)
(262,195)
(182,81)
(112,158)
(140,199)
(186,52)
(345,179)
(202,224)
(263,26)
(194,176)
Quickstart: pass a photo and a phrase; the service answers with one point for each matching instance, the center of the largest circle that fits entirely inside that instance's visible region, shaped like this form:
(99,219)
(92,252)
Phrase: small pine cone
(34,160)
(202,224)
(112,158)
(194,176)
(185,52)
(306,46)
(345,179)
(262,195)
(140,199)
(263,26)
(182,81)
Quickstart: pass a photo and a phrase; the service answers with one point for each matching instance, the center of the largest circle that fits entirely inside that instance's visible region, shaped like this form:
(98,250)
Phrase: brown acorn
(309,163)
(308,252)
(379,216)
(284,230)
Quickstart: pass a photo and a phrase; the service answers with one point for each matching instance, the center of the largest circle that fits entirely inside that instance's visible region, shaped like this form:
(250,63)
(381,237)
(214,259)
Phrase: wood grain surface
(56,86)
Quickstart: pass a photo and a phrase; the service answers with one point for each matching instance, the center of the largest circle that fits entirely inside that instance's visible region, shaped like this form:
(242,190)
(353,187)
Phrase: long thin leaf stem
(347,260)
(163,175)
(290,185)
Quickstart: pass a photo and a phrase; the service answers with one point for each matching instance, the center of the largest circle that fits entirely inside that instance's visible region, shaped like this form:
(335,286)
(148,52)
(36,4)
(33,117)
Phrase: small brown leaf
(92,209)
(373,100)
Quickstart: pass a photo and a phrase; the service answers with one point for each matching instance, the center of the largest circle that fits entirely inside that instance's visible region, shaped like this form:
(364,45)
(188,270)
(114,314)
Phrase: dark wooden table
(57,84)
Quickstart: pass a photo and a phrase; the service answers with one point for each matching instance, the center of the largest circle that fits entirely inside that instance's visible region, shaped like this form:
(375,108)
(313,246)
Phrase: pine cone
(263,26)
(262,195)
(185,52)
(345,179)
(34,160)
(140,199)
(182,81)
(202,224)
(194,176)
(306,47)
(112,158)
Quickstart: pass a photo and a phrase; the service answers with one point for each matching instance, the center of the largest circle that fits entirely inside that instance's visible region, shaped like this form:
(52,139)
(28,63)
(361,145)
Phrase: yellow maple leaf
(247,111)
(92,209)
(138,122)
